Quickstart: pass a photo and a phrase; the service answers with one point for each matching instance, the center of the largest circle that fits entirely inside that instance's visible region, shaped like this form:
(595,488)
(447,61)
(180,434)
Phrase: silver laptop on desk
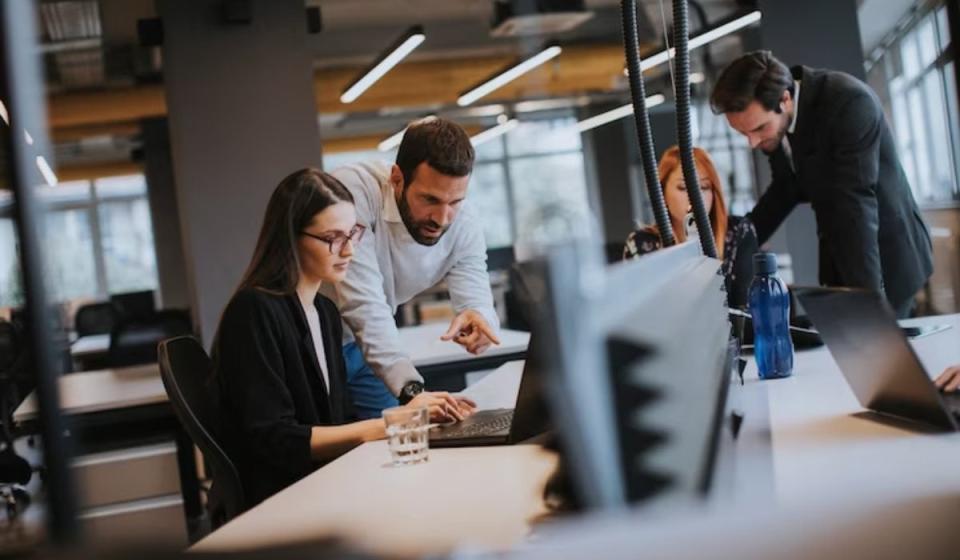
(876,358)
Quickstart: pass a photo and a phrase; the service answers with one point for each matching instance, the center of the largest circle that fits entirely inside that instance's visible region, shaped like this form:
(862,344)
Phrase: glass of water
(407,434)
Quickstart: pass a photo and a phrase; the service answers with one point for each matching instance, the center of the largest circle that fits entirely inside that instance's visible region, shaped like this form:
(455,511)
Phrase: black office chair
(94,318)
(186,372)
(134,341)
(134,306)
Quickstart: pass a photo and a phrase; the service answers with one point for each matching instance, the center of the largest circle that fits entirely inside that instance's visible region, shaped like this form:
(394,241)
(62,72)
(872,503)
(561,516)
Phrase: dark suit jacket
(870,230)
(272,390)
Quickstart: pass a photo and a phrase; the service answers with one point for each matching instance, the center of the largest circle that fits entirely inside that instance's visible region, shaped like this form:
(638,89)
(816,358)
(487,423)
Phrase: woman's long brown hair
(275,266)
(670,162)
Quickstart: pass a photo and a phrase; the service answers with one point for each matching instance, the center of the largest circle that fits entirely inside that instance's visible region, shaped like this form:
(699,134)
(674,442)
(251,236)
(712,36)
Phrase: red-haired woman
(647,239)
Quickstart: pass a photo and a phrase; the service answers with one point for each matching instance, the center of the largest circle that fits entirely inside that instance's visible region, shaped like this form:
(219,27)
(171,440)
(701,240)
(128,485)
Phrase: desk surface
(843,484)
(94,391)
(90,344)
(847,477)
(422,341)
(425,348)
(484,496)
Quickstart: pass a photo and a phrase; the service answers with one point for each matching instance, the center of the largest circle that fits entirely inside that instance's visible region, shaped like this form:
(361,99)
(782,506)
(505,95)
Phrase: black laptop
(875,357)
(505,425)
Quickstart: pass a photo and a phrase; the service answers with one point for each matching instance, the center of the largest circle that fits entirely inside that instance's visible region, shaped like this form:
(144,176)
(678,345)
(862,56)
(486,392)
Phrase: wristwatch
(410,390)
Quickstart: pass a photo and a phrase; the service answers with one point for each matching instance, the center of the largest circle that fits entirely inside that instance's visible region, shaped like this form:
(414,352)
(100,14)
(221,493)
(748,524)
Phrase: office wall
(242,116)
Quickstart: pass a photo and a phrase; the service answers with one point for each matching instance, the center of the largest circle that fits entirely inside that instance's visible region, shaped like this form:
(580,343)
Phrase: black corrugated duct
(681,87)
(631,45)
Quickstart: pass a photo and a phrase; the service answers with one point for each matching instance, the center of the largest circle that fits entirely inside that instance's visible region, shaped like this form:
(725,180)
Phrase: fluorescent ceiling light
(4,114)
(725,29)
(534,105)
(397,52)
(48,175)
(697,78)
(506,76)
(701,40)
(392,141)
(505,125)
(615,114)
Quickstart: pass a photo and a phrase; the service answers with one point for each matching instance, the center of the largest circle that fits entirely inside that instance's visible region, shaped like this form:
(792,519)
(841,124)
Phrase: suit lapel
(802,141)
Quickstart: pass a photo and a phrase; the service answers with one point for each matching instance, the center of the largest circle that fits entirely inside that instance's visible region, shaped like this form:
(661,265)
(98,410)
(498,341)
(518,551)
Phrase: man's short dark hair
(443,144)
(755,76)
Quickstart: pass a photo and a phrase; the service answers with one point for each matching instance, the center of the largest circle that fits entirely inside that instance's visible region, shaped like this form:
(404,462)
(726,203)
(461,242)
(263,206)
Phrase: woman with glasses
(278,365)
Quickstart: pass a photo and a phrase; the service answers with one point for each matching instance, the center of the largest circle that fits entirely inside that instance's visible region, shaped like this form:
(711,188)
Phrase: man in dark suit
(828,144)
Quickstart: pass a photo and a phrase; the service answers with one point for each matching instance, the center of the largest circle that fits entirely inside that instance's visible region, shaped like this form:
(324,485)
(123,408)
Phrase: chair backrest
(94,318)
(134,342)
(134,306)
(186,371)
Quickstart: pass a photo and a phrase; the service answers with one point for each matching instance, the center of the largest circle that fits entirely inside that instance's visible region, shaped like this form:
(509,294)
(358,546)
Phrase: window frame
(91,205)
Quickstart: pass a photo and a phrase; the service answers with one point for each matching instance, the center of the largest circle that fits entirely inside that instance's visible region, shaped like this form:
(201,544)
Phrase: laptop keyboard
(952,400)
(483,427)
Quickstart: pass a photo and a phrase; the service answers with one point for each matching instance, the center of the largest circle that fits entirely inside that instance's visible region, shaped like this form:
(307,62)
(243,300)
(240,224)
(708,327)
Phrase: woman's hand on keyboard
(949,380)
(443,406)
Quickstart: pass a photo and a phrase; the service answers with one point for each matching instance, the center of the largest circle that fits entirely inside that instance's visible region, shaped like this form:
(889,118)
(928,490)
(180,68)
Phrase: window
(11,288)
(731,154)
(920,74)
(97,239)
(536,173)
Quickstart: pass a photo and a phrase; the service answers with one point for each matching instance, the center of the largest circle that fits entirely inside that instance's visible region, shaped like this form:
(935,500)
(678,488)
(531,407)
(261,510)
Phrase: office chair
(134,306)
(94,318)
(15,471)
(186,372)
(134,340)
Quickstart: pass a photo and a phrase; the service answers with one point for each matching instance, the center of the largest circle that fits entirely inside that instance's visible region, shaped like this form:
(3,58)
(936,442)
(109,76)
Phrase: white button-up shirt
(787,148)
(389,268)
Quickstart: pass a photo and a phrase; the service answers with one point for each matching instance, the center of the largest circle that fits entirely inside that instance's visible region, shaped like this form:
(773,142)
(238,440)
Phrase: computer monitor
(642,371)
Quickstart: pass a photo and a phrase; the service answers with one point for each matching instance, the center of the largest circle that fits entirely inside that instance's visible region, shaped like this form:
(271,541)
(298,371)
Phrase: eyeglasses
(337,239)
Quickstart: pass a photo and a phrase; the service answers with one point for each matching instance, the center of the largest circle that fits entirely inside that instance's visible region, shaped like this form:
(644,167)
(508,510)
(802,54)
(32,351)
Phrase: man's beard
(414,226)
(780,134)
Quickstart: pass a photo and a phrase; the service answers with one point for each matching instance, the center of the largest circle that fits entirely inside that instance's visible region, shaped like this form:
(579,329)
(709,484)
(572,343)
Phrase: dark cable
(638,95)
(684,136)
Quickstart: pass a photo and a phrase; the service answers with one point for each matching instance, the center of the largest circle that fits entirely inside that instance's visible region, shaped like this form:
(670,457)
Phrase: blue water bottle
(770,308)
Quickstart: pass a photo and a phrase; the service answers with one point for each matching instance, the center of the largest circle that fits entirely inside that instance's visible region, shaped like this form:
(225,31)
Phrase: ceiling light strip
(616,114)
(410,40)
(508,75)
(494,131)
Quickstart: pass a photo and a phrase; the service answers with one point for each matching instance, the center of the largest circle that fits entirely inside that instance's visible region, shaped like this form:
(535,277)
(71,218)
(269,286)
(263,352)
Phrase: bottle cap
(764,263)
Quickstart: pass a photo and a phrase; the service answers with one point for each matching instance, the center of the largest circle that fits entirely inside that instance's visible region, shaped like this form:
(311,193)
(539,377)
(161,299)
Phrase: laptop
(502,426)
(875,357)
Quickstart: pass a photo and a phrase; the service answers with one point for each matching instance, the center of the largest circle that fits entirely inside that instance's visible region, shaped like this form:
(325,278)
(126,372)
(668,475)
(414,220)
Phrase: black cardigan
(272,390)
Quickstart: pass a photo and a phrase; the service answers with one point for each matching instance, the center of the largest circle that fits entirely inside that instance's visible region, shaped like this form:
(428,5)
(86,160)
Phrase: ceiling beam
(580,69)
(89,171)
(367,142)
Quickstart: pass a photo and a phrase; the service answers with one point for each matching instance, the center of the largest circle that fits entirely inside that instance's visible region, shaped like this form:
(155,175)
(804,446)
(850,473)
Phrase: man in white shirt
(420,232)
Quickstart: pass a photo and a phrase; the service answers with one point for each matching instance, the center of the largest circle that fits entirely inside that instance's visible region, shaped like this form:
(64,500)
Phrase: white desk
(97,391)
(90,345)
(422,341)
(425,348)
(843,486)
(485,496)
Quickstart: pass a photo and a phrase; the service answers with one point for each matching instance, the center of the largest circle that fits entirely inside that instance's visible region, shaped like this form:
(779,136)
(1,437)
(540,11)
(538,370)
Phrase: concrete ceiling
(879,17)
